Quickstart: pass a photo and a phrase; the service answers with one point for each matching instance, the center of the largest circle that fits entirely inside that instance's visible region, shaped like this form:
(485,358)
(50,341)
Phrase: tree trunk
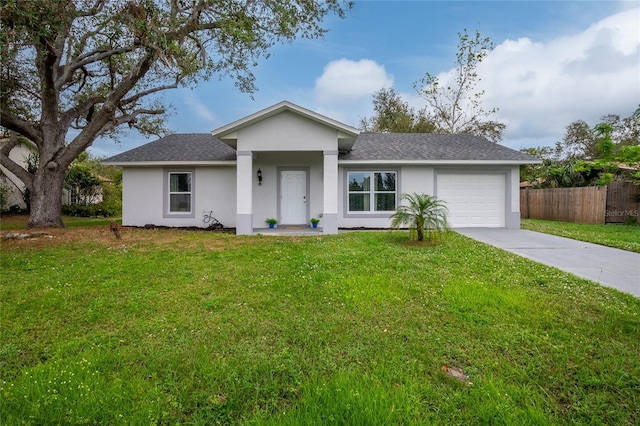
(46,199)
(419,223)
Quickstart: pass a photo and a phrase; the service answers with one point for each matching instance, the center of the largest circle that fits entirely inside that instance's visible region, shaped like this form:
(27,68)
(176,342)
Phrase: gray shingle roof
(368,146)
(430,146)
(178,147)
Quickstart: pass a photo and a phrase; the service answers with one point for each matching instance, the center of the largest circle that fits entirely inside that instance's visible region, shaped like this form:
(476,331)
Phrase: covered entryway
(293,197)
(473,199)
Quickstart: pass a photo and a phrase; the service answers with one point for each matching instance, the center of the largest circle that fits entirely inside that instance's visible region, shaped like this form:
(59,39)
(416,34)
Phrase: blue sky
(554,62)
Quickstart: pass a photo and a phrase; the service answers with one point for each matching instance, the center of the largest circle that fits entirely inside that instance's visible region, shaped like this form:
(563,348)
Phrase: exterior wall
(422,179)
(331,193)
(143,197)
(512,218)
(418,179)
(244,191)
(287,131)
(215,189)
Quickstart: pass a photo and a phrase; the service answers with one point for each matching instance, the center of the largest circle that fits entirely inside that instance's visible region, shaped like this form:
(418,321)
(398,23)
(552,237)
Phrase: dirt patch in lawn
(130,237)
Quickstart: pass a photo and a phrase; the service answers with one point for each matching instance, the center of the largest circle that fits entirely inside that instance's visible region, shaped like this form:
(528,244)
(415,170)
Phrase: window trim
(372,192)
(166,198)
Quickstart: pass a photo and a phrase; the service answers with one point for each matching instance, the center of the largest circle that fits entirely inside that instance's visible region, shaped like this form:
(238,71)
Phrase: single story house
(293,164)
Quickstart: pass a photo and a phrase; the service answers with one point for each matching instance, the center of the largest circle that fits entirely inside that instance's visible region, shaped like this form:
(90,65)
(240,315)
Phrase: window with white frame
(372,191)
(180,192)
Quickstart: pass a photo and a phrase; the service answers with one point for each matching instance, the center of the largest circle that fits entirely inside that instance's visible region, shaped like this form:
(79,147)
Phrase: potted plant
(314,222)
(272,222)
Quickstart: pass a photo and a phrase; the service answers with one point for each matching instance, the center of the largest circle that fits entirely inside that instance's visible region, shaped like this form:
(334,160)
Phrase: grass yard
(178,327)
(625,237)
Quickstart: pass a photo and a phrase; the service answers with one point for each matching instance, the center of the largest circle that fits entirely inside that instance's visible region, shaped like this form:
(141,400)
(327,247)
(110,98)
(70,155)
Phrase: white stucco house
(290,163)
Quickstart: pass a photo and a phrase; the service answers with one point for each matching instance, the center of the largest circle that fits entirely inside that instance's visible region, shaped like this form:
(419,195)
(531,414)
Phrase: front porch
(291,187)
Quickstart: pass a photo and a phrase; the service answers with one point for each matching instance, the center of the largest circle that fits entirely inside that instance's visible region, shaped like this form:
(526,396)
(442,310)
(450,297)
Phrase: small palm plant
(422,212)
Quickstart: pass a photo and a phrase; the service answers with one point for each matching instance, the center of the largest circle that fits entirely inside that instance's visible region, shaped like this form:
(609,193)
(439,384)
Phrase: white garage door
(473,200)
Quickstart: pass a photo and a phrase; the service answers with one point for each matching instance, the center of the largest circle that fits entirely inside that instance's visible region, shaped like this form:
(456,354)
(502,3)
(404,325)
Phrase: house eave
(169,163)
(340,162)
(440,162)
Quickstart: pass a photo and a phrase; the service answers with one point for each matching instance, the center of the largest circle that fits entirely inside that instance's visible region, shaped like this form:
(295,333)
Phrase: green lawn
(177,327)
(625,237)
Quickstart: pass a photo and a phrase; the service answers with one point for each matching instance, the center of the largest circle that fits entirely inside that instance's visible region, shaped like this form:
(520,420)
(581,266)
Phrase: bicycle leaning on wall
(212,222)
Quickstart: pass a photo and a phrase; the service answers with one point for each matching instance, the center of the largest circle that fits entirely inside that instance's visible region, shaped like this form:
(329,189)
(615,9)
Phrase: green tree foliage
(83,185)
(93,66)
(589,156)
(95,189)
(457,107)
(579,142)
(614,160)
(392,114)
(421,213)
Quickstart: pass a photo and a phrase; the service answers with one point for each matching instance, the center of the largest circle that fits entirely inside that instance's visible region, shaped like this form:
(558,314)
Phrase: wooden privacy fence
(612,203)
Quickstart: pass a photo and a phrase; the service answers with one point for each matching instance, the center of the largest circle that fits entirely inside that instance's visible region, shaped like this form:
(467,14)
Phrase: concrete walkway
(610,267)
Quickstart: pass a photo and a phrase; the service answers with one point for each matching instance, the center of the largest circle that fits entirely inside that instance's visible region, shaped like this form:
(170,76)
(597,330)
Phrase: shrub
(91,210)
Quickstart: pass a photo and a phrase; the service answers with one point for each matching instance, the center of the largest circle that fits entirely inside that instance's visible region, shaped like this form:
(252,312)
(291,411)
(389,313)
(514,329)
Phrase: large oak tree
(75,70)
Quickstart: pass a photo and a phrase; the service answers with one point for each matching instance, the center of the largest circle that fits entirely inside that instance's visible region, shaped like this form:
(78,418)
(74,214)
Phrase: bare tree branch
(26,128)
(94,9)
(140,95)
(94,56)
(130,118)
(106,113)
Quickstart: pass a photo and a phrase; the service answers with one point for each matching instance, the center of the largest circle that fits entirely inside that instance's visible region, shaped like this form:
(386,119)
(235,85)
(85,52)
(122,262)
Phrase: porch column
(330,207)
(244,195)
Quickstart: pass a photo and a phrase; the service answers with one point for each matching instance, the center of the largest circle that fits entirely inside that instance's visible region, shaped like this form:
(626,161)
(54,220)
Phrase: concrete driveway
(610,267)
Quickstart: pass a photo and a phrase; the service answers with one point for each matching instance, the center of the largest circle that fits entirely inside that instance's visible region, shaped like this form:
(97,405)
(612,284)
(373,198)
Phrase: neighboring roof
(227,133)
(431,147)
(178,148)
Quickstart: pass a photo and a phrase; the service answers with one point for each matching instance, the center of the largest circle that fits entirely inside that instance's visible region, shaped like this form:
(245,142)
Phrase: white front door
(293,197)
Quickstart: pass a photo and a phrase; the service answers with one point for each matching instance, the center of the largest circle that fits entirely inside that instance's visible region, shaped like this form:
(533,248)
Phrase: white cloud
(347,82)
(542,87)
(344,90)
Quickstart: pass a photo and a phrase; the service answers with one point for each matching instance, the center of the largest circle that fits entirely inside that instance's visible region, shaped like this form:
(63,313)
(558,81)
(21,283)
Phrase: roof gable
(229,133)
